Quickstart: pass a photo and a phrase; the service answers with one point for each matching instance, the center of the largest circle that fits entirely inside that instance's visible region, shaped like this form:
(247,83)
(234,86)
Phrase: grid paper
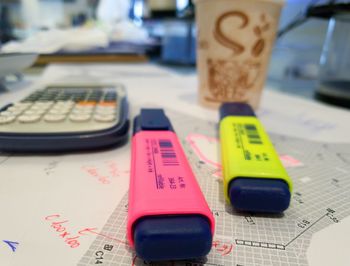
(321,197)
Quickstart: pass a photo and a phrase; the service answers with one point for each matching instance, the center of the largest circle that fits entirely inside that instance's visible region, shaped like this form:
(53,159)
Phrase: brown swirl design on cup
(258,47)
(234,45)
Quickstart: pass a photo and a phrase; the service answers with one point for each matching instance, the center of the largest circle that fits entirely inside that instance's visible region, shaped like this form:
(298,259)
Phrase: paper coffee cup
(234,43)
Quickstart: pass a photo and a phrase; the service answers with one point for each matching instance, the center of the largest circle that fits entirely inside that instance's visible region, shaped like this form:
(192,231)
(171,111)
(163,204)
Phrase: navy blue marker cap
(151,119)
(259,195)
(172,237)
(236,109)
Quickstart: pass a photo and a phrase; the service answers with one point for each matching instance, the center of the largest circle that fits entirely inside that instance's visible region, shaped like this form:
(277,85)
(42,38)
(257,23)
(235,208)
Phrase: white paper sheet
(45,200)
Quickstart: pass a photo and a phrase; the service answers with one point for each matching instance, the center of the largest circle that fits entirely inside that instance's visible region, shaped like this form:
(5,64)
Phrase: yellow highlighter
(254,177)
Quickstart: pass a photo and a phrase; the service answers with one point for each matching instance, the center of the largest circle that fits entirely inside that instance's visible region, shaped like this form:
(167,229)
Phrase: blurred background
(169,22)
(160,30)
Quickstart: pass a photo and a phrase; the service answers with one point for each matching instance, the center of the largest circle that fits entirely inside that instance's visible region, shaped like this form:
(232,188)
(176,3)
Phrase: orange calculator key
(107,104)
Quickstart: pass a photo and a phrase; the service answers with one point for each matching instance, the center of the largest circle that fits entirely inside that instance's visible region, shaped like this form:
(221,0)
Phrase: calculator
(66,118)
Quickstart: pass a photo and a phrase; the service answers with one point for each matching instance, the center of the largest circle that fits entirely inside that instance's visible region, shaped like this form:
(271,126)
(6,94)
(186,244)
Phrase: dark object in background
(313,10)
(79,20)
(333,81)
(173,24)
(333,92)
(186,10)
(143,9)
(6,27)
(179,42)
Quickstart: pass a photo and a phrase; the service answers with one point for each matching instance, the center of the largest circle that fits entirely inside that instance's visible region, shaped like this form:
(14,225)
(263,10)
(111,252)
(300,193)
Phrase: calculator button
(64,96)
(6,113)
(81,111)
(107,104)
(95,96)
(41,105)
(28,118)
(39,109)
(13,112)
(79,117)
(16,108)
(68,103)
(22,105)
(45,99)
(64,109)
(110,96)
(26,100)
(46,103)
(58,112)
(54,117)
(35,107)
(86,107)
(86,103)
(7,119)
(104,118)
(105,111)
(109,100)
(33,112)
(79,97)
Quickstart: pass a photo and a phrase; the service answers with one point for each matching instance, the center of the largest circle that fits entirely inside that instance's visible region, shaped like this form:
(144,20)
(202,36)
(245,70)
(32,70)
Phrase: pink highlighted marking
(197,143)
(200,144)
(108,237)
(289,161)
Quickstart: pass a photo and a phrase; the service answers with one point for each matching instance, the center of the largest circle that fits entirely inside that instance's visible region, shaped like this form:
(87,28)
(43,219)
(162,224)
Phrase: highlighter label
(163,164)
(249,141)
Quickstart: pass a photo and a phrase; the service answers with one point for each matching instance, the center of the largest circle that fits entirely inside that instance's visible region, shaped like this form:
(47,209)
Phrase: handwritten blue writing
(11,244)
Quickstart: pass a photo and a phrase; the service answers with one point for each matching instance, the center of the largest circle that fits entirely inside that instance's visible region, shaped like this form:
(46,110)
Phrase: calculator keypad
(64,109)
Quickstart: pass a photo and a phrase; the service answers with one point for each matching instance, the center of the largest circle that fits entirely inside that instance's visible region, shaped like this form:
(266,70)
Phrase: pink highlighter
(168,217)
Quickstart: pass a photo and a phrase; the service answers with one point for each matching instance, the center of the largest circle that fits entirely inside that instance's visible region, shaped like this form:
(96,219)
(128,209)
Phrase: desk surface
(47,199)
